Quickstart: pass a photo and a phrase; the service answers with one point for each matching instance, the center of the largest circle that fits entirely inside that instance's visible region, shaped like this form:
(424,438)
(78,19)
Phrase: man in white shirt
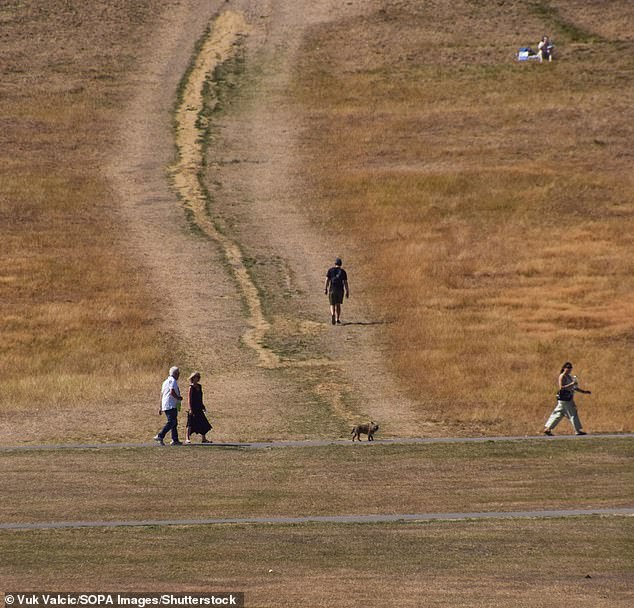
(170,402)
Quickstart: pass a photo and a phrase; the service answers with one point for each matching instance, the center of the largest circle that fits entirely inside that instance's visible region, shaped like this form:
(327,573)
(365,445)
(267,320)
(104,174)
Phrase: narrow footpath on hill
(214,211)
(328,519)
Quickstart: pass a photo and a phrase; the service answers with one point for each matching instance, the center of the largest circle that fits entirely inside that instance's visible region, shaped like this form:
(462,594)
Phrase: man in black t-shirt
(336,285)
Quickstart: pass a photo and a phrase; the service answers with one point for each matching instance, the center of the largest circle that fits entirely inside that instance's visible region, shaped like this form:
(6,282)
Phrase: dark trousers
(171,424)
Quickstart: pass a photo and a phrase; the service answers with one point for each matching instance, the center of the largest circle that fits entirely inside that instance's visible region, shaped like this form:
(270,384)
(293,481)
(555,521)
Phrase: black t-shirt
(337,276)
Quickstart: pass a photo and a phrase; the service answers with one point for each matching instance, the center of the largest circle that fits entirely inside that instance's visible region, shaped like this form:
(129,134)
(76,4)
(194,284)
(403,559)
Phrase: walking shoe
(548,432)
(333,320)
(581,433)
(187,441)
(206,441)
(158,440)
(176,443)
(338,322)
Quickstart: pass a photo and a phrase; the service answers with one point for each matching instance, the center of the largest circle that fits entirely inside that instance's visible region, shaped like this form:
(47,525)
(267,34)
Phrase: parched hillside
(483,208)
(79,329)
(487,204)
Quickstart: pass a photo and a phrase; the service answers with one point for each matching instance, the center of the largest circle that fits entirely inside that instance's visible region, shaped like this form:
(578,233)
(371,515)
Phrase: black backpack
(337,279)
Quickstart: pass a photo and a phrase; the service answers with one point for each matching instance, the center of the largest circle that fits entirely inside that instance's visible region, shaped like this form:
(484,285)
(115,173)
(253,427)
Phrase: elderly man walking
(170,402)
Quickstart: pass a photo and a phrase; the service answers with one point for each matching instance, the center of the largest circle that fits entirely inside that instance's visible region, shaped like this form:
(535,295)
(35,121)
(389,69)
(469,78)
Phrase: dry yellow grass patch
(79,335)
(585,562)
(487,204)
(380,479)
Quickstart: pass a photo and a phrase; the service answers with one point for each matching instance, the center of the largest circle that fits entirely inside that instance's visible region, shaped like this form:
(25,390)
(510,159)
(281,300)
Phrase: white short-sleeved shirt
(168,402)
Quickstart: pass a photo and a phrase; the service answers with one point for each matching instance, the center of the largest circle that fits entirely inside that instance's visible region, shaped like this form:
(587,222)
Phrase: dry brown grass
(430,135)
(79,333)
(141,484)
(486,206)
(584,562)
(75,340)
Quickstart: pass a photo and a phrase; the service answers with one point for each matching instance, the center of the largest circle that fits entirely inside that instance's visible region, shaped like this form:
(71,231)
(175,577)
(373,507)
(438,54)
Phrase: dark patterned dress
(196,420)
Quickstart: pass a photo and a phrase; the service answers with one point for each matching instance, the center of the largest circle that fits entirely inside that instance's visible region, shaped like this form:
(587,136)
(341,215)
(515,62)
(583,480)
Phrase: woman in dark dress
(196,420)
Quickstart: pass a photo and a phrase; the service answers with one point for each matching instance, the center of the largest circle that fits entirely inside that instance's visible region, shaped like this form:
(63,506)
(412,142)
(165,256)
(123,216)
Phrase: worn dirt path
(328,519)
(303,443)
(222,238)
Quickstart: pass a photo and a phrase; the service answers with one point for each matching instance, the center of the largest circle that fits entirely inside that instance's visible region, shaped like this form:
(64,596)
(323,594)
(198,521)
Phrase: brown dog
(365,429)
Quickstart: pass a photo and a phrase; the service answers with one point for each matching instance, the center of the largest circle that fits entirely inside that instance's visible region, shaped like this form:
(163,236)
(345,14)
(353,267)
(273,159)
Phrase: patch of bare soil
(234,260)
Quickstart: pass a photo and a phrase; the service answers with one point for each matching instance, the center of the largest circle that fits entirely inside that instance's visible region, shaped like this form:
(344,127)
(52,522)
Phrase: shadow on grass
(363,323)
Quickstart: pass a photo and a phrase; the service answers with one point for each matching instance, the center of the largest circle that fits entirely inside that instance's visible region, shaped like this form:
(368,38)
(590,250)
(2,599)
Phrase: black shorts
(335,296)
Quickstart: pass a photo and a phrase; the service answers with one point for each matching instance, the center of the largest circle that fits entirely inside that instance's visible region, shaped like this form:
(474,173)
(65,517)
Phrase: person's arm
(345,286)
(327,284)
(578,389)
(175,393)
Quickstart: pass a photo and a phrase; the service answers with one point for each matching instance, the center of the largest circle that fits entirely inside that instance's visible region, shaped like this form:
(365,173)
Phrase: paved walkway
(302,443)
(330,519)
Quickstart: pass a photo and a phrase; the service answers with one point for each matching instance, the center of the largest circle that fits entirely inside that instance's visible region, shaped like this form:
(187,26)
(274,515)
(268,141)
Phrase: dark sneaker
(548,432)
(333,319)
(159,440)
(581,433)
(176,443)
(338,322)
